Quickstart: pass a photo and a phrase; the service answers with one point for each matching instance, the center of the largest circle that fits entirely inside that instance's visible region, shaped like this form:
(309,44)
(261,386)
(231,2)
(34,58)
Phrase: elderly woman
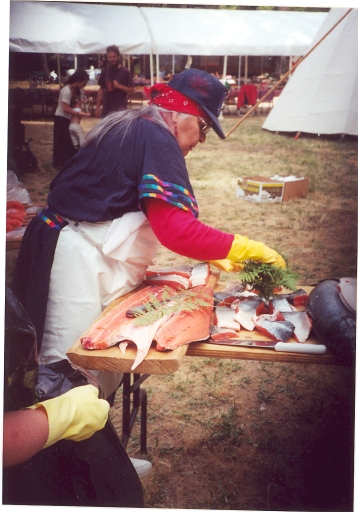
(122,195)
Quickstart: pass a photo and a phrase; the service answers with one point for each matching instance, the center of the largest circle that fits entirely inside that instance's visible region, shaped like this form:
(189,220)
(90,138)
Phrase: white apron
(93,265)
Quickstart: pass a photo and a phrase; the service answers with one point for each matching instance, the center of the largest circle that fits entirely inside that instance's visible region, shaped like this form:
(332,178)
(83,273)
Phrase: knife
(301,348)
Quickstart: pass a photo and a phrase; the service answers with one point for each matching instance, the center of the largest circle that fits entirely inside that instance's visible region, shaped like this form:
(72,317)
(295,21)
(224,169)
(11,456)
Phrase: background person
(122,195)
(115,82)
(63,148)
(76,131)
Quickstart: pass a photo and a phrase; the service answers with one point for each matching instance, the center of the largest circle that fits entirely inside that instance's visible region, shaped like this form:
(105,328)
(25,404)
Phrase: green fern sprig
(265,278)
(154,309)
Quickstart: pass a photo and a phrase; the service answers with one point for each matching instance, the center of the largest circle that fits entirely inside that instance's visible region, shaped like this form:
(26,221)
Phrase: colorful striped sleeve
(152,186)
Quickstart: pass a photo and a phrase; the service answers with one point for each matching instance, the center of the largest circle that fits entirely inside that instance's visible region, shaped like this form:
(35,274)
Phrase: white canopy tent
(61,27)
(322,95)
(231,32)
(65,27)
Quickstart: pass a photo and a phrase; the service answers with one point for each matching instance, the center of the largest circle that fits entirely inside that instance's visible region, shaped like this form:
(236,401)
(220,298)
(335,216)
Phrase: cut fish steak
(246,311)
(181,277)
(302,323)
(225,318)
(185,326)
(220,333)
(277,330)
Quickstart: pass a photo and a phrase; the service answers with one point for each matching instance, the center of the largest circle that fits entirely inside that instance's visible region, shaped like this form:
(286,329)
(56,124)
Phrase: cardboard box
(259,189)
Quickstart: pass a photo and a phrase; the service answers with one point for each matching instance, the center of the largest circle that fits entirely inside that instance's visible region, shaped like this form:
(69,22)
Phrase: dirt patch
(246,435)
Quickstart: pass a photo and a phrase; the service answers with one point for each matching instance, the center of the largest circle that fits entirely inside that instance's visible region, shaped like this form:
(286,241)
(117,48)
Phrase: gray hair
(125,120)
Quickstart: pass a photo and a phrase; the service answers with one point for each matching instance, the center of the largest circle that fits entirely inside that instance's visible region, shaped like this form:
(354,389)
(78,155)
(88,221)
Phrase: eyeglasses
(204,126)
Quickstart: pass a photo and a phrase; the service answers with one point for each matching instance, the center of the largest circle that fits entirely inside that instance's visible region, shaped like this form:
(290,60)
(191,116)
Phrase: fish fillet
(106,332)
(183,327)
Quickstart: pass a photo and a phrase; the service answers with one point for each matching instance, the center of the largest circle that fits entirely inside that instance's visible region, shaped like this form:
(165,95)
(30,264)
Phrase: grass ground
(246,435)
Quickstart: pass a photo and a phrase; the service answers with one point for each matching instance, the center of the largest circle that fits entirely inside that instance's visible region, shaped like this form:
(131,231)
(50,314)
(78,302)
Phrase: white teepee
(322,94)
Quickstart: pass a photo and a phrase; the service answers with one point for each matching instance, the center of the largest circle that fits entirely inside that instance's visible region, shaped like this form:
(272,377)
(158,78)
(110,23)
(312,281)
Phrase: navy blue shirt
(103,182)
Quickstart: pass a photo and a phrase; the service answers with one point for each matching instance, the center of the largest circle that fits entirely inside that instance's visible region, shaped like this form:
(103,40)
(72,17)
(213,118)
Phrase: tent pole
(173,65)
(75,61)
(59,70)
(254,107)
(157,70)
(239,73)
(246,67)
(151,69)
(225,67)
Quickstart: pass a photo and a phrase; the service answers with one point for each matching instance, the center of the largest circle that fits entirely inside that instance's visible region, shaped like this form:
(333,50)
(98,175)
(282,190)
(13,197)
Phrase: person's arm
(99,101)
(182,233)
(69,110)
(75,415)
(25,433)
(124,88)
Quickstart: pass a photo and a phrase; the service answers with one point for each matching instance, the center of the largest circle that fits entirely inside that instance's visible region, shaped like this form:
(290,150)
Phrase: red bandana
(170,99)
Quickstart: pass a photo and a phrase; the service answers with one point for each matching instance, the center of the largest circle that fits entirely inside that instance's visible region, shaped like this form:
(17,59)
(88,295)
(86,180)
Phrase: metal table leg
(130,412)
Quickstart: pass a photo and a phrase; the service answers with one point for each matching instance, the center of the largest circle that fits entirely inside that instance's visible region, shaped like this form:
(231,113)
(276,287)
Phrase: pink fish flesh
(180,270)
(106,331)
(183,327)
(174,280)
(302,323)
(219,333)
(297,298)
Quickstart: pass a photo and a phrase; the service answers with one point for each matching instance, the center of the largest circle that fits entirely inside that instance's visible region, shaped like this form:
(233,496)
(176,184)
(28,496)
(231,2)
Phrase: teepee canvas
(321,96)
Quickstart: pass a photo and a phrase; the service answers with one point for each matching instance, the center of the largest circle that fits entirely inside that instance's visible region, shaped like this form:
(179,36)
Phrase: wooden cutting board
(112,359)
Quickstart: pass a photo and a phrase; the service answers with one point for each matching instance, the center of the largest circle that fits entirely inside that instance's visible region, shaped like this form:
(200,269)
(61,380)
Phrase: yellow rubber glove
(243,249)
(76,415)
(227,265)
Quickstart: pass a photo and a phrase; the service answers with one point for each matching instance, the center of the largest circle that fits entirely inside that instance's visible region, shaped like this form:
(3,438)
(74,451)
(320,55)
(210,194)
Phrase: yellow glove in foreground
(76,415)
(243,249)
(227,265)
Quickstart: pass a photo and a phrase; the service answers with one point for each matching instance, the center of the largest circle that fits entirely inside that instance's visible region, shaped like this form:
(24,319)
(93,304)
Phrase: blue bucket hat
(203,88)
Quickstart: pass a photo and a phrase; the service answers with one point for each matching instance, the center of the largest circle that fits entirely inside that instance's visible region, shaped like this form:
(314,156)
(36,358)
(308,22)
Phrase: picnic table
(163,363)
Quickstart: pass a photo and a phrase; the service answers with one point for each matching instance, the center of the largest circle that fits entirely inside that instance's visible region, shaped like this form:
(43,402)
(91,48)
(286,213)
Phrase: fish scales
(302,323)
(277,330)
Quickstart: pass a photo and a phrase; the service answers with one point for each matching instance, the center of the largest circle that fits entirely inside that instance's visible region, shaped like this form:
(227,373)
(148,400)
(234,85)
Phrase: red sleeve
(182,233)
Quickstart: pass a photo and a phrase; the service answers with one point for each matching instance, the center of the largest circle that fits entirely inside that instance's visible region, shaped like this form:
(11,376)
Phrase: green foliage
(155,309)
(265,278)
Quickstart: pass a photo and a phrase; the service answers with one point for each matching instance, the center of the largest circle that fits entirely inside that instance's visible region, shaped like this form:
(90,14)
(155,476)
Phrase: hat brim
(216,125)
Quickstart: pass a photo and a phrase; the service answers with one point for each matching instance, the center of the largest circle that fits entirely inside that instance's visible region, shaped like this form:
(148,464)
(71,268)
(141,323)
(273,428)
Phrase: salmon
(106,332)
(333,323)
(175,281)
(184,327)
(219,333)
(246,311)
(224,318)
(181,277)
(302,323)
(200,274)
(180,270)
(297,298)
(277,330)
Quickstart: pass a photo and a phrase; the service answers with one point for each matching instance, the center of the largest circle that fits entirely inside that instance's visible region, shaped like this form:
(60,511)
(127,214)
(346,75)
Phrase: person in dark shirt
(123,194)
(115,82)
